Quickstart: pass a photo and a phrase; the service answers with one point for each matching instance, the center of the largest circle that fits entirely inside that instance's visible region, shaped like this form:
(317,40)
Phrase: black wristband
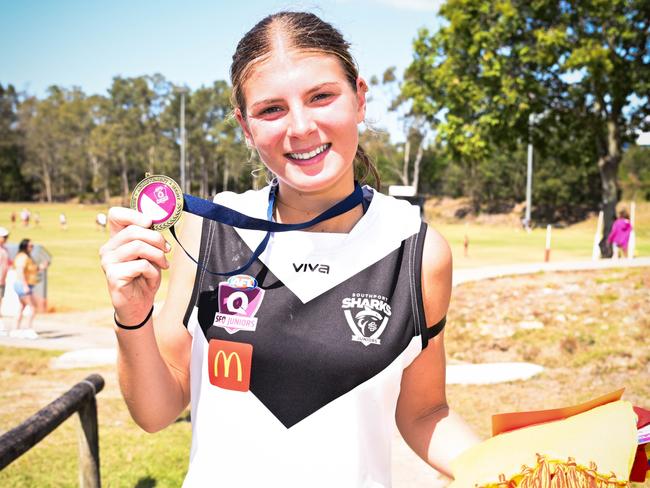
(133,327)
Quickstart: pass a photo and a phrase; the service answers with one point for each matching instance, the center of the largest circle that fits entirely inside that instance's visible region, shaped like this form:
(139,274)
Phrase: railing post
(80,398)
(88,435)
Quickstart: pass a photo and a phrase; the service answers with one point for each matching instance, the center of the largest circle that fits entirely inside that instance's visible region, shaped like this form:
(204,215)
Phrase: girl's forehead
(290,58)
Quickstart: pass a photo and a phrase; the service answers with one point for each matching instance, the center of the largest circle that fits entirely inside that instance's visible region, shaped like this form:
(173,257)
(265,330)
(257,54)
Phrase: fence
(80,398)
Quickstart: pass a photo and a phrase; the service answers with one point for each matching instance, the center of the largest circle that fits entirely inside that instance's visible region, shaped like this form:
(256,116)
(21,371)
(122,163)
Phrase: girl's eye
(321,96)
(270,110)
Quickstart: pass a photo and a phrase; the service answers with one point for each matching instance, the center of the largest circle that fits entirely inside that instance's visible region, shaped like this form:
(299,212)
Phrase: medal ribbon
(219,213)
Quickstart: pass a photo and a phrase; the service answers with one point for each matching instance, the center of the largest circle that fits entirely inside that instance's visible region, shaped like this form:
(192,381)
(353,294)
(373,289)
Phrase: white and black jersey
(294,382)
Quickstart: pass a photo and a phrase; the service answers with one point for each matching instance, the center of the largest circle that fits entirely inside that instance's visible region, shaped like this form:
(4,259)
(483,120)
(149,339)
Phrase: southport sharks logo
(367,316)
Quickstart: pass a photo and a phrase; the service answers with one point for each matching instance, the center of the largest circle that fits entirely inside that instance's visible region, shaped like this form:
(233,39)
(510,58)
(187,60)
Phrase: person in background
(26,278)
(4,268)
(25,215)
(13,219)
(100,220)
(620,233)
(63,221)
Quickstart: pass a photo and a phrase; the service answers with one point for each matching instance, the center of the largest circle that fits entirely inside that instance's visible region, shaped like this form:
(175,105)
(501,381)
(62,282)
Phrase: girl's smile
(301,117)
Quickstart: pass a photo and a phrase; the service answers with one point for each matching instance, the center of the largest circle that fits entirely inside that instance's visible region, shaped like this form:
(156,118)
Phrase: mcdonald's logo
(229,364)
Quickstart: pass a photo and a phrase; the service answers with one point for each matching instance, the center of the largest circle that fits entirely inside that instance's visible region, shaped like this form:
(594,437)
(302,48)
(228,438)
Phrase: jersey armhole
(426,333)
(206,229)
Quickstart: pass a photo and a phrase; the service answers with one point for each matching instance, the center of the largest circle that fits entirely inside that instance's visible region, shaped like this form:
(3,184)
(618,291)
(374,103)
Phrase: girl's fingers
(136,233)
(133,251)
(121,275)
(121,217)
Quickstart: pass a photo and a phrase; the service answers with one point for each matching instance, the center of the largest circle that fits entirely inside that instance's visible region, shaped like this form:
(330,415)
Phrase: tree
(414,127)
(635,173)
(13,186)
(495,63)
(132,120)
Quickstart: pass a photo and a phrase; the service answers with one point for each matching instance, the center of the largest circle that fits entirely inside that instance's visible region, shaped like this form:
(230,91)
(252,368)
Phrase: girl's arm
(423,416)
(153,361)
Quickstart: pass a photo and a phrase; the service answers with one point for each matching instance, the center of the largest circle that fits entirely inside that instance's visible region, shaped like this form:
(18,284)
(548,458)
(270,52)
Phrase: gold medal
(160,198)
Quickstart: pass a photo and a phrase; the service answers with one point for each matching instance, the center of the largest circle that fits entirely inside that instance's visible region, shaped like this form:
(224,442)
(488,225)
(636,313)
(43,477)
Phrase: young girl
(295,370)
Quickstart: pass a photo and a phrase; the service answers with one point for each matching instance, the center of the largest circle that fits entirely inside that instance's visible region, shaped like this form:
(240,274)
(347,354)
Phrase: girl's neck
(293,206)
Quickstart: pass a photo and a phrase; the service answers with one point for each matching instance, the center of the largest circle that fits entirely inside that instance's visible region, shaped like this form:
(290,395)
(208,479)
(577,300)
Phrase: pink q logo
(237,308)
(237,303)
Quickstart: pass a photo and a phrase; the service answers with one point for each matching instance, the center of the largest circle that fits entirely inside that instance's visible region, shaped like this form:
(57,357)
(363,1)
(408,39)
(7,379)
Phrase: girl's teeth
(310,154)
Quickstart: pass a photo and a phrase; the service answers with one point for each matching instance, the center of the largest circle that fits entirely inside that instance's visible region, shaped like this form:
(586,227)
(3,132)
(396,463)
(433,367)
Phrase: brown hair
(306,32)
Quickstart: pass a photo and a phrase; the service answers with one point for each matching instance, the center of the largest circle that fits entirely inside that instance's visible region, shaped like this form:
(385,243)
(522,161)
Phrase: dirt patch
(589,330)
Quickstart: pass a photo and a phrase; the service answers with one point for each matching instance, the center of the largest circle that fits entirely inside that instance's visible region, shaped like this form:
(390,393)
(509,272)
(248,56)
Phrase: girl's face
(302,116)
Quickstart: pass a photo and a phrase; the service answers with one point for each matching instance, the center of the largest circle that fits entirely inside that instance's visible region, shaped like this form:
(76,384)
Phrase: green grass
(75,278)
(76,281)
(129,457)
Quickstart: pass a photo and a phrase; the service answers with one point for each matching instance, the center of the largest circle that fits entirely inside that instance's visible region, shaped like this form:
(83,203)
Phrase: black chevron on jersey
(304,356)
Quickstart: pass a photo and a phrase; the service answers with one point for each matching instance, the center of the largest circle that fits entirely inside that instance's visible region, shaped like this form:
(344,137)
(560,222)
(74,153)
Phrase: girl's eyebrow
(316,88)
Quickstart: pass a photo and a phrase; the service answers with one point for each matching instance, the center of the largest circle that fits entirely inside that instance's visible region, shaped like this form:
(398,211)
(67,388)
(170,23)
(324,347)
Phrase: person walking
(4,269)
(26,278)
(301,362)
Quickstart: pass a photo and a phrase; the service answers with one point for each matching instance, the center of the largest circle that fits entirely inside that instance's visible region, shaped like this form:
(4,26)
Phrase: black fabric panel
(205,227)
(436,329)
(303,354)
(421,237)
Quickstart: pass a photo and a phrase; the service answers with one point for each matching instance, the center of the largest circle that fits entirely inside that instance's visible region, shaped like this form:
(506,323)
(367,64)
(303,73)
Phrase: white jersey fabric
(294,382)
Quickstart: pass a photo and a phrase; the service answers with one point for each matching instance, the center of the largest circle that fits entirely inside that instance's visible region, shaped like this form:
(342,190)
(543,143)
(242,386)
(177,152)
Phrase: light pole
(532,119)
(182,91)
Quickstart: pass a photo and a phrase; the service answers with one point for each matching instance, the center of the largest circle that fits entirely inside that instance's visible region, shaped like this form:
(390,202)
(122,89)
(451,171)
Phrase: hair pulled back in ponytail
(303,31)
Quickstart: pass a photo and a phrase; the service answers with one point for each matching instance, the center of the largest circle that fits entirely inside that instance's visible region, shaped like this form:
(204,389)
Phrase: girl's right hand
(132,260)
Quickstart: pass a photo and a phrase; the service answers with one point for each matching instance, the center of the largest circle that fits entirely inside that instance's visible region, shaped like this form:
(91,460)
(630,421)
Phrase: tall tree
(132,119)
(495,63)
(414,129)
(13,186)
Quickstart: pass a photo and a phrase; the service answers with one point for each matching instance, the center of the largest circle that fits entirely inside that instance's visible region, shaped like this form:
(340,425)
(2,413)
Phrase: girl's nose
(300,124)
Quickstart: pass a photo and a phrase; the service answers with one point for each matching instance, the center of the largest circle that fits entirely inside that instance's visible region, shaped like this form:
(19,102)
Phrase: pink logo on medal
(238,305)
(157,201)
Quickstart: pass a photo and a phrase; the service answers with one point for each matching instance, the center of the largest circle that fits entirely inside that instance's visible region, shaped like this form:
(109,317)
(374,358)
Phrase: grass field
(76,281)
(129,457)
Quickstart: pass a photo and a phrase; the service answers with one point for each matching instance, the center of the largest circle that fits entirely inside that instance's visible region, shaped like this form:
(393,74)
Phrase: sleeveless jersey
(294,382)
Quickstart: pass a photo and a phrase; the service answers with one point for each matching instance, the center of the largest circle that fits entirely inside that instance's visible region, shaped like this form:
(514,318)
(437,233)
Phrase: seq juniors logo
(367,316)
(229,364)
(239,300)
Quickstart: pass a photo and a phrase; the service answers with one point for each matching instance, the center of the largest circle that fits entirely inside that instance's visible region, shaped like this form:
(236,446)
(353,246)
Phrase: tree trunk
(416,165)
(203,186)
(407,157)
(608,167)
(226,175)
(47,182)
(151,153)
(94,165)
(125,180)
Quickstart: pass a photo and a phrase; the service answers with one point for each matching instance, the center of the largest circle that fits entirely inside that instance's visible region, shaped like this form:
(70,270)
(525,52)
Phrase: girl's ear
(362,88)
(244,127)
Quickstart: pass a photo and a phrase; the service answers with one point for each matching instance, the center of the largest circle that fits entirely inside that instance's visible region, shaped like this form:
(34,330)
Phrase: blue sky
(87,43)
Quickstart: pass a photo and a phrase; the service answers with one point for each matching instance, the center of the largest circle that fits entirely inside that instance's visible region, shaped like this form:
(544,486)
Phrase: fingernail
(168,247)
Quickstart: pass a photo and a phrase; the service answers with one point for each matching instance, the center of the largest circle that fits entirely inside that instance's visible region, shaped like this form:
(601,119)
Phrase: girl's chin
(316,182)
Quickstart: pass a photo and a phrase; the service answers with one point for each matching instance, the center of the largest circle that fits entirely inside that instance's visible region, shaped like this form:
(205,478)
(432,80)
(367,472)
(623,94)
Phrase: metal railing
(80,398)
